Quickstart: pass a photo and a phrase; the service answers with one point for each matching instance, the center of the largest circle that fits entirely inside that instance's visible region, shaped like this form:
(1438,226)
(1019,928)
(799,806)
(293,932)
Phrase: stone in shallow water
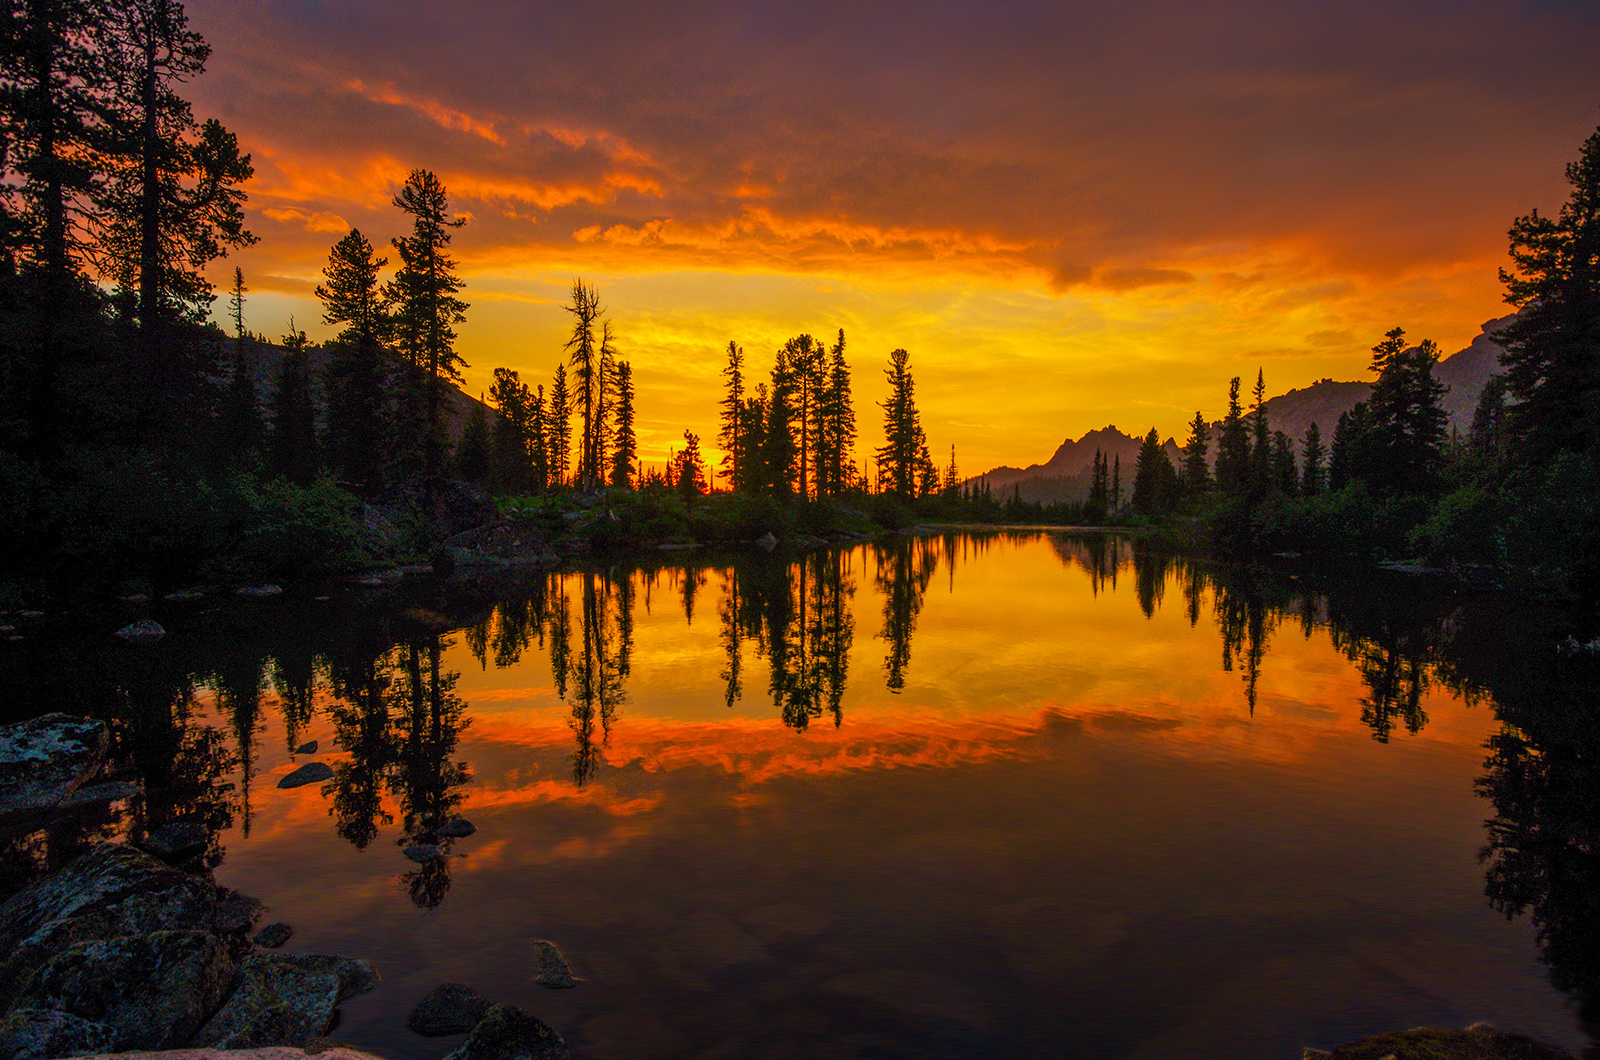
(274,935)
(508,1033)
(306,748)
(355,976)
(237,912)
(144,631)
(422,853)
(259,590)
(152,991)
(44,760)
(450,1008)
(310,773)
(40,1034)
(457,828)
(553,970)
(176,840)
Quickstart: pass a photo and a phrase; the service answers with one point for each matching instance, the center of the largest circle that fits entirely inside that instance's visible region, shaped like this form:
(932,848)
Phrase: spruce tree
(1312,455)
(1261,453)
(1552,349)
(1233,445)
(1155,482)
(1196,474)
(590,353)
(292,447)
(1285,475)
(732,405)
(625,447)
(558,431)
(690,470)
(902,427)
(836,424)
(511,437)
(423,292)
(357,377)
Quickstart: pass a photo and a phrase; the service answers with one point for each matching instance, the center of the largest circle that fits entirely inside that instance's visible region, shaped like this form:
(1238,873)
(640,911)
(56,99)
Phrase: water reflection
(190,718)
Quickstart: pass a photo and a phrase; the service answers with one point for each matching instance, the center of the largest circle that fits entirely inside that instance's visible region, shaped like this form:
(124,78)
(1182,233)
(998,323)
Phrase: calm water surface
(1028,795)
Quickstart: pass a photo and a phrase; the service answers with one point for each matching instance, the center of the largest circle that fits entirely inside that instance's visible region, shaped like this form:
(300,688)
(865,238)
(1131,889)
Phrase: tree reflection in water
(378,677)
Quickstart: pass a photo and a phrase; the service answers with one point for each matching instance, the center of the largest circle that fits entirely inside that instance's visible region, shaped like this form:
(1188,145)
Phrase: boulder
(508,1033)
(40,1034)
(236,913)
(498,543)
(277,1002)
(144,631)
(1477,1042)
(152,991)
(307,748)
(422,853)
(451,1008)
(176,840)
(100,794)
(44,760)
(274,935)
(184,596)
(310,773)
(457,828)
(552,966)
(355,976)
(767,542)
(259,591)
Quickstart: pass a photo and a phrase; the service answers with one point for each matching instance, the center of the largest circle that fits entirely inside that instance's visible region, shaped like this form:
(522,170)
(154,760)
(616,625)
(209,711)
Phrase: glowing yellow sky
(1070,216)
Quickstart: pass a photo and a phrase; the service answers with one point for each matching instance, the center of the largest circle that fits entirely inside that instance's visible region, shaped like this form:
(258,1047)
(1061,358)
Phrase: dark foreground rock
(422,853)
(153,991)
(457,828)
(449,508)
(310,773)
(279,1001)
(119,952)
(144,631)
(552,966)
(44,760)
(273,935)
(451,1008)
(508,1033)
(40,1034)
(1478,1042)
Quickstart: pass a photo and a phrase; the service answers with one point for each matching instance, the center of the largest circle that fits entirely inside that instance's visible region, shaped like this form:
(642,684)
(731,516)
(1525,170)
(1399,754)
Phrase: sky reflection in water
(937,797)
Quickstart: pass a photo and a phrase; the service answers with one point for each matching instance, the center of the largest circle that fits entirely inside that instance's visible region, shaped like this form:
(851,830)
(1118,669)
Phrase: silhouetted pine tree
(1233,445)
(1312,473)
(357,375)
(731,434)
(1196,475)
(292,447)
(558,429)
(472,456)
(625,447)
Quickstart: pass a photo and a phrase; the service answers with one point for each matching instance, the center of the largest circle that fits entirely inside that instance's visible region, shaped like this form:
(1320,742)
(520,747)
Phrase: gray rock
(184,596)
(259,590)
(44,760)
(176,840)
(457,828)
(277,1002)
(153,991)
(135,598)
(355,976)
(307,748)
(41,1034)
(310,773)
(274,935)
(553,970)
(144,631)
(236,913)
(422,853)
(451,1008)
(767,542)
(508,1033)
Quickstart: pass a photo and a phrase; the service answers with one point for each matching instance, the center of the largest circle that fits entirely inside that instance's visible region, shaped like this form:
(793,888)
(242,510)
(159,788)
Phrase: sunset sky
(1070,214)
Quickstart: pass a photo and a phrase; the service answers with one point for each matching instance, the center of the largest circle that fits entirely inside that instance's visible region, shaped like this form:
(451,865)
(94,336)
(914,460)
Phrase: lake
(1027,794)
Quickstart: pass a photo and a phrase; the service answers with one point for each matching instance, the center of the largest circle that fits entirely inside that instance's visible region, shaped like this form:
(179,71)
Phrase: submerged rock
(274,935)
(1477,1042)
(309,748)
(44,760)
(40,1034)
(259,590)
(176,840)
(457,828)
(422,853)
(553,970)
(152,991)
(144,631)
(355,976)
(508,1033)
(184,596)
(310,773)
(236,913)
(451,1008)
(767,542)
